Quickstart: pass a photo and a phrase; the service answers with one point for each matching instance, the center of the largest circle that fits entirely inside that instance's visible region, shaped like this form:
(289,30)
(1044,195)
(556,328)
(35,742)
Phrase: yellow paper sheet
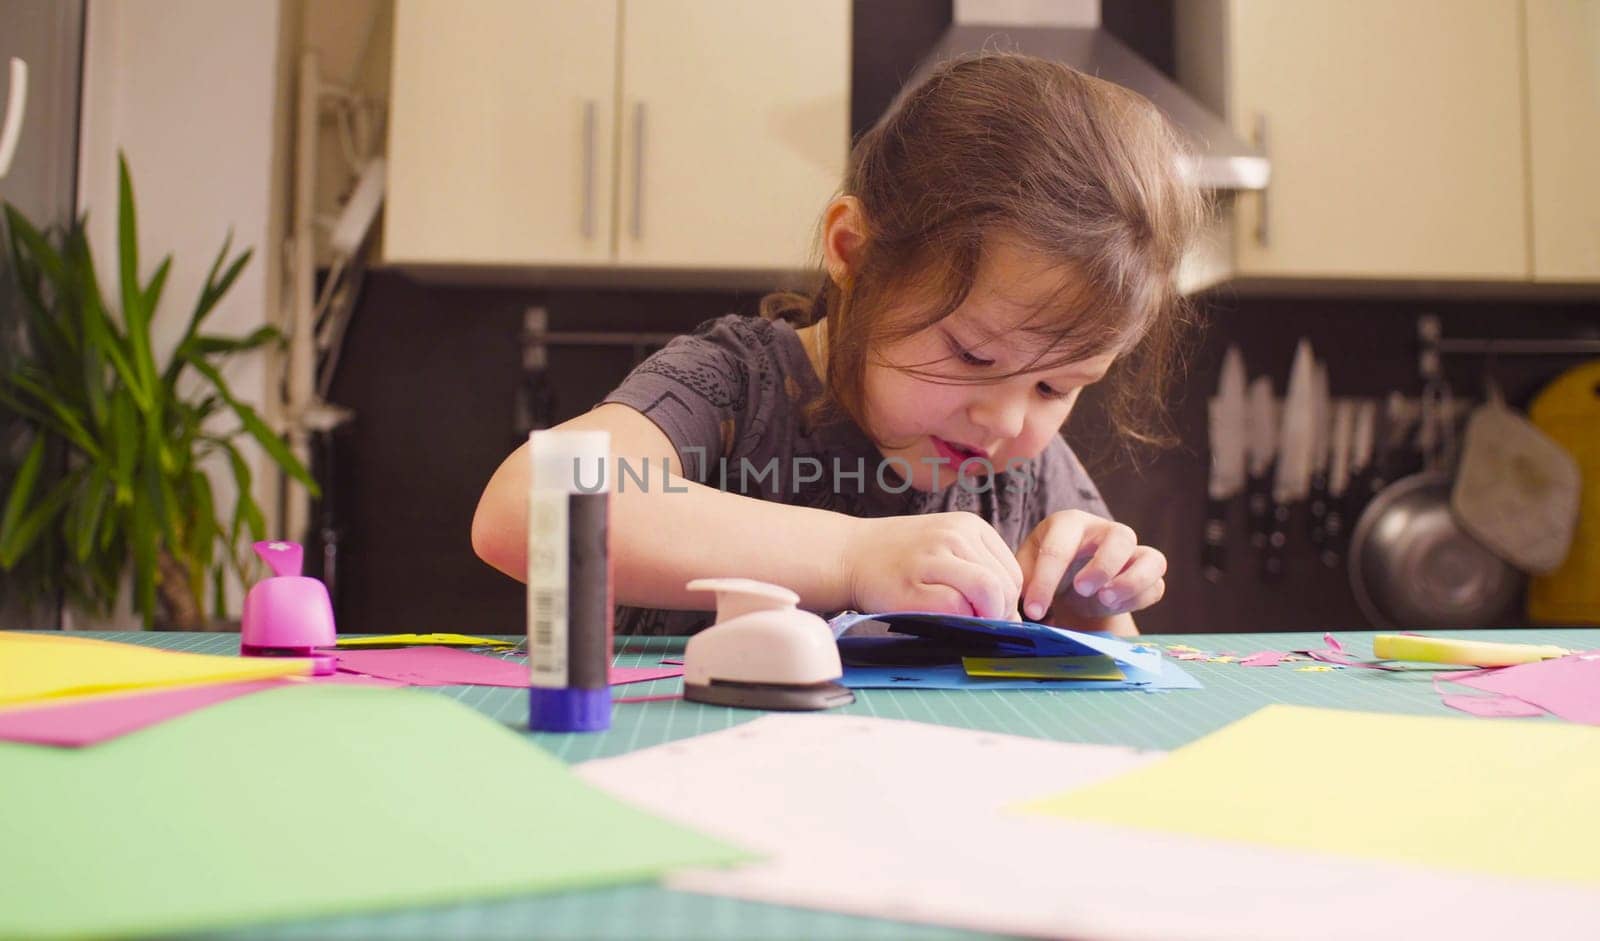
(437,640)
(35,667)
(1503,797)
(1097,667)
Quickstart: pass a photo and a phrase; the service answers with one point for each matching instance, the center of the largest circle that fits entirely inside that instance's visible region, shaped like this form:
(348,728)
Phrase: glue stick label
(547,588)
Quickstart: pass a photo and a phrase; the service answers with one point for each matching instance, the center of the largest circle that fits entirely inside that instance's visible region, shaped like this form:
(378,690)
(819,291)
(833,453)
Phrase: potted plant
(113,472)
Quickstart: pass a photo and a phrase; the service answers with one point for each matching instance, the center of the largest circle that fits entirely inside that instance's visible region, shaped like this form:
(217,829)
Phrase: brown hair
(1084,173)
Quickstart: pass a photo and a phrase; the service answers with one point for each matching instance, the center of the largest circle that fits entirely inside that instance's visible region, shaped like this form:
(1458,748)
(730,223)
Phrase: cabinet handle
(586,220)
(1261,197)
(636,223)
(16,109)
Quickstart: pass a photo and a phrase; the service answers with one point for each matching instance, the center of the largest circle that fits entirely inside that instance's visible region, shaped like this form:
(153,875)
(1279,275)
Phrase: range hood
(1069,31)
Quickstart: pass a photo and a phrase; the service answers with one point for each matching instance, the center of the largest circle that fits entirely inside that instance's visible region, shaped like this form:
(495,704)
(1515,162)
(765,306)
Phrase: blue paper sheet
(925,649)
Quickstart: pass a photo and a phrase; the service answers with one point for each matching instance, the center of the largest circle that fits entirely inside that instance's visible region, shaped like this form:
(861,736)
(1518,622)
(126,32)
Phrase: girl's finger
(1145,598)
(1144,567)
(996,552)
(1116,543)
(941,599)
(982,586)
(1049,558)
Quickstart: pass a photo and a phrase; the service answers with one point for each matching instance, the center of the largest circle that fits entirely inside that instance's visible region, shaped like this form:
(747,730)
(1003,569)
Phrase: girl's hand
(952,563)
(1088,568)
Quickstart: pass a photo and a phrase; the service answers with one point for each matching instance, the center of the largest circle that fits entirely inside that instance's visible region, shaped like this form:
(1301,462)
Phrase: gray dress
(731,398)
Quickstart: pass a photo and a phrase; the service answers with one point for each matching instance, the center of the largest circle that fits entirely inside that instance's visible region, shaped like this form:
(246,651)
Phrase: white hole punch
(763,652)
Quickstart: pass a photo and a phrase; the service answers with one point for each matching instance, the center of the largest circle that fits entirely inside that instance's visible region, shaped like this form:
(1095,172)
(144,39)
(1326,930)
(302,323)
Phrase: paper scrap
(1568,687)
(420,640)
(445,666)
(1099,667)
(1496,798)
(1493,707)
(87,720)
(37,667)
(1317,668)
(1264,658)
(882,840)
(207,821)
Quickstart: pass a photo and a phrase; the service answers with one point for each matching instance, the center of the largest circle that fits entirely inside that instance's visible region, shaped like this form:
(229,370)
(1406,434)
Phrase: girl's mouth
(956,453)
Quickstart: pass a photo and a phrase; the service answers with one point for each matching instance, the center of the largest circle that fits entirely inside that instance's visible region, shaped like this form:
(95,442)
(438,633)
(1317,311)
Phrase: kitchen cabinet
(1564,138)
(1395,133)
(633,134)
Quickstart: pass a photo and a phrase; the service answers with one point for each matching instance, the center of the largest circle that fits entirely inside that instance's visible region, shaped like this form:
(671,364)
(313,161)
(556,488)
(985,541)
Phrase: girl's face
(934,426)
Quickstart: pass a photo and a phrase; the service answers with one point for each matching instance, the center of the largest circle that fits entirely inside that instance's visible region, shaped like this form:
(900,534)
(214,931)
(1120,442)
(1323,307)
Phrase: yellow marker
(1473,653)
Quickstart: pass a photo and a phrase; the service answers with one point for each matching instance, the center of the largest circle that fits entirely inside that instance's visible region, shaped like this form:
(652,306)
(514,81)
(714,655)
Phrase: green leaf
(206,343)
(125,442)
(65,420)
(21,492)
(257,428)
(209,295)
(20,538)
(152,291)
(246,511)
(81,534)
(134,313)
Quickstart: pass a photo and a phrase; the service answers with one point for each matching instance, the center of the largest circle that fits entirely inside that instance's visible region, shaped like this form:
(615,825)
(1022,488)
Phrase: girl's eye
(1048,391)
(966,357)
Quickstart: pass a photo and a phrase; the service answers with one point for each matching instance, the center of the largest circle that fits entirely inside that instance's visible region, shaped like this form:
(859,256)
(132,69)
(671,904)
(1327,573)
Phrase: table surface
(1162,720)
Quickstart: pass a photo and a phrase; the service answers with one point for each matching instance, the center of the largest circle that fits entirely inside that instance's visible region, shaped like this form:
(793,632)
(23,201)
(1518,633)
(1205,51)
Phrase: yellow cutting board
(1568,410)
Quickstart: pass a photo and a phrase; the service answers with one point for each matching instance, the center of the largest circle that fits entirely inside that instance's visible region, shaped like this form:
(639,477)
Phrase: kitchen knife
(1261,428)
(1293,478)
(1228,440)
(1339,471)
(1321,420)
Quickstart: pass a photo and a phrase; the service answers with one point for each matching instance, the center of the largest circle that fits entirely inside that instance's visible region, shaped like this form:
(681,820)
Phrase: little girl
(1007,235)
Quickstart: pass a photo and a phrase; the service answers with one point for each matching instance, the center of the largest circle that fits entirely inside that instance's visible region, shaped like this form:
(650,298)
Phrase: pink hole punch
(288,614)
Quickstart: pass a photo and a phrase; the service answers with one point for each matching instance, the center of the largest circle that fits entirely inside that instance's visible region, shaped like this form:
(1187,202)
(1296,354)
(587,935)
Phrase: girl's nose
(1002,413)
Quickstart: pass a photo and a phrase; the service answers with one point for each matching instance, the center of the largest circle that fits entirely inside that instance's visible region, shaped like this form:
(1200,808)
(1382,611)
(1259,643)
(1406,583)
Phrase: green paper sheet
(301,802)
(1498,797)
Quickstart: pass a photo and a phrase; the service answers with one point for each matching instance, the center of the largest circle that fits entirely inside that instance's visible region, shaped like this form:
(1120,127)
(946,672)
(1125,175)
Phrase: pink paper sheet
(447,666)
(1493,707)
(89,721)
(1568,687)
(1266,658)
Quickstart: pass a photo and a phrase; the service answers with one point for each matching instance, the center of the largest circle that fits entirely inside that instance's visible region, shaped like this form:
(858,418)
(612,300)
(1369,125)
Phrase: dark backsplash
(432,373)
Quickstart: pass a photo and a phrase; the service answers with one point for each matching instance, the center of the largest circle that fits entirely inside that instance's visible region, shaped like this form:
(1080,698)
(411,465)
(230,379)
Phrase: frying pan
(1413,566)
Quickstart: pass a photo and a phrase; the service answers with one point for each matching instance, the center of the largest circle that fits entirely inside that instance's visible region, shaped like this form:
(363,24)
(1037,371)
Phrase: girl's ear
(844,232)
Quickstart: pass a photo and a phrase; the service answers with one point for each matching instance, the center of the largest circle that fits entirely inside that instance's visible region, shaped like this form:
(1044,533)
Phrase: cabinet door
(501,132)
(1395,132)
(1564,137)
(734,129)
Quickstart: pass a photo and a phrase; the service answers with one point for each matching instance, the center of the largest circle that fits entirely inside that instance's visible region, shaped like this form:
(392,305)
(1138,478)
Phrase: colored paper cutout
(1493,707)
(87,720)
(420,640)
(221,818)
(1568,687)
(1266,658)
(1491,797)
(38,667)
(923,650)
(1098,667)
(446,666)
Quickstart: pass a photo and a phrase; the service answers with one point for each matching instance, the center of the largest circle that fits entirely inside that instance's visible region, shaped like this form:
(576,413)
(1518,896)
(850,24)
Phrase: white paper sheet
(904,820)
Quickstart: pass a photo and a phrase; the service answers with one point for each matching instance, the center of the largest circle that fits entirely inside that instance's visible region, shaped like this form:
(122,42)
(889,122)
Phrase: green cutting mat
(1146,720)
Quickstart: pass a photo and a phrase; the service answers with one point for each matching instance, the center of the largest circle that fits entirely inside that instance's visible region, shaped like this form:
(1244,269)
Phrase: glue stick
(569,582)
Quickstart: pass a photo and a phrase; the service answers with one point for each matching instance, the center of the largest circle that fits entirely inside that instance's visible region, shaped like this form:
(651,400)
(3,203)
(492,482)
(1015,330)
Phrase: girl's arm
(660,539)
